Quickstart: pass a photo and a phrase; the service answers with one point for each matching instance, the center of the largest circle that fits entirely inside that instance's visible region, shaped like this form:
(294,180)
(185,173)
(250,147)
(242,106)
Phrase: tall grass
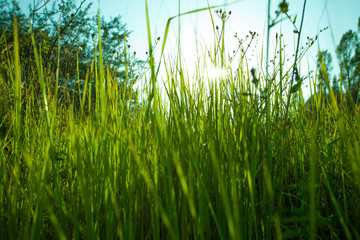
(219,163)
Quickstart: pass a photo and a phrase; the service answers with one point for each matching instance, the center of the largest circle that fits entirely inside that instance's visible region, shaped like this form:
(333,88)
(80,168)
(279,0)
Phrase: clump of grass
(232,161)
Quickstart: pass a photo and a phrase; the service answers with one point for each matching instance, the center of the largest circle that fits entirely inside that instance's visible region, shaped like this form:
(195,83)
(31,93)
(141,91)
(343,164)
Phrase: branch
(32,14)
(63,30)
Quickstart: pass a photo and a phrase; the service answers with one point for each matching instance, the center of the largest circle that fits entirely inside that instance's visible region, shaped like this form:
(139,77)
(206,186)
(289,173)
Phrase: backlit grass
(231,161)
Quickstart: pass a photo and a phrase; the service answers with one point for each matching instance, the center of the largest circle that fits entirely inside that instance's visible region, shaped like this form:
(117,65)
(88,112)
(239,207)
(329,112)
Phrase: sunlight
(215,73)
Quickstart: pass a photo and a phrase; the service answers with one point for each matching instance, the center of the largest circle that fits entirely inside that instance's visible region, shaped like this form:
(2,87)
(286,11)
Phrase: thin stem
(295,71)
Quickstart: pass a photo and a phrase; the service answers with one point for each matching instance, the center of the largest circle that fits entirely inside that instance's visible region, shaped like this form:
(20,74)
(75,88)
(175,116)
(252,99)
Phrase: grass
(219,163)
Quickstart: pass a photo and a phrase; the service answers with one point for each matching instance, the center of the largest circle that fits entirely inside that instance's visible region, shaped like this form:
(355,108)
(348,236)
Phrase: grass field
(238,160)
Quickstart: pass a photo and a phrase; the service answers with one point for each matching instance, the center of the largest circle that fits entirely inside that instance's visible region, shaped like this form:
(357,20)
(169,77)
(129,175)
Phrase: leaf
(294,21)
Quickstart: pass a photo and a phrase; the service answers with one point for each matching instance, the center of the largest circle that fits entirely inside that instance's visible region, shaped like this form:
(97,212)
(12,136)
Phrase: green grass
(217,163)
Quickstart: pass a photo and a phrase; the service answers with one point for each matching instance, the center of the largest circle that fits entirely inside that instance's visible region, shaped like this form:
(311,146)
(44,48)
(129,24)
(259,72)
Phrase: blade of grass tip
(215,35)
(42,85)
(14,187)
(17,91)
(179,15)
(281,67)
(179,42)
(83,95)
(223,41)
(126,72)
(153,76)
(77,72)
(101,74)
(97,91)
(57,76)
(93,62)
(295,61)
(151,60)
(267,42)
(51,153)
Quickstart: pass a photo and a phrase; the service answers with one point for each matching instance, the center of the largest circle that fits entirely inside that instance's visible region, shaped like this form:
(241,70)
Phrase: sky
(196,29)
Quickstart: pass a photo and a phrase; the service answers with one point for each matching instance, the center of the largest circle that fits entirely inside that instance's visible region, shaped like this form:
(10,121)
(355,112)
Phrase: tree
(348,52)
(335,85)
(77,30)
(8,11)
(355,61)
(324,57)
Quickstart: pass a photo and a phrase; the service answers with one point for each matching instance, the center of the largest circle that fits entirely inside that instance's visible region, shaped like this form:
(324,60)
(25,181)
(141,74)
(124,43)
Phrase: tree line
(348,56)
(68,31)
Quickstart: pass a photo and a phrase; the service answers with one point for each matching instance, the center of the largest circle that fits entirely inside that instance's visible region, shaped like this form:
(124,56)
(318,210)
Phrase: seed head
(284,6)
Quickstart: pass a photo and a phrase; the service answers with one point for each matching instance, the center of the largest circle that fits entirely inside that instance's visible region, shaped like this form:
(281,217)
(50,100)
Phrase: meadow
(244,158)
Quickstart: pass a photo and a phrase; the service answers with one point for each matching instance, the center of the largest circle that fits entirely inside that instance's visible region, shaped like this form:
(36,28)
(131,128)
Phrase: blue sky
(339,16)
